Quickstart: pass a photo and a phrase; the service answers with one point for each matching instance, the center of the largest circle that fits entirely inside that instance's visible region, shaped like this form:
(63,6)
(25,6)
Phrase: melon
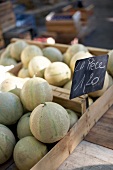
(72,50)
(49,122)
(29,52)
(98,93)
(90,100)
(10,108)
(6,53)
(27,152)
(23,72)
(110,63)
(8,61)
(68,85)
(11,83)
(7,143)
(37,66)
(23,128)
(110,80)
(73,117)
(34,92)
(53,54)
(16,91)
(17,48)
(57,74)
(78,56)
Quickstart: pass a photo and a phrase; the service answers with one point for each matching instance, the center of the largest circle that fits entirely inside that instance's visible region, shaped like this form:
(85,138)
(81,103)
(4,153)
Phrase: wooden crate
(86,12)
(55,157)
(7,16)
(66,26)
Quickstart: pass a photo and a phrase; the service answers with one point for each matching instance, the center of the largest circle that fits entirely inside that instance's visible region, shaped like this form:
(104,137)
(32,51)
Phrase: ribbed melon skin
(49,122)
(11,108)
(34,92)
(27,152)
(23,127)
(17,48)
(7,143)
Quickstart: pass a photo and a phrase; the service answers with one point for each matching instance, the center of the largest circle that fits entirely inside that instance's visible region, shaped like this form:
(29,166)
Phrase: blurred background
(89,22)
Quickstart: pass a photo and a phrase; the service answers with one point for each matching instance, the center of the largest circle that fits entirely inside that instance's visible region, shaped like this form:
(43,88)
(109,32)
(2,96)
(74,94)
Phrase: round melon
(90,100)
(8,61)
(17,48)
(16,91)
(72,50)
(27,152)
(49,122)
(23,128)
(6,53)
(53,54)
(34,92)
(23,72)
(98,93)
(28,53)
(68,85)
(110,63)
(37,66)
(11,83)
(78,56)
(110,80)
(57,74)
(73,117)
(7,143)
(10,108)
(4,75)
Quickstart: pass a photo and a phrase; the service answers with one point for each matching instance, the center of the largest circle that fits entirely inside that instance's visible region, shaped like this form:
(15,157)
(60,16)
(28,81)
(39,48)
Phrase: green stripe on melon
(7,143)
(49,122)
(23,128)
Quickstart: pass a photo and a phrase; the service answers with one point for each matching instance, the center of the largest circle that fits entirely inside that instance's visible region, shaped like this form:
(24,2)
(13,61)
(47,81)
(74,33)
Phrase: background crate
(7,16)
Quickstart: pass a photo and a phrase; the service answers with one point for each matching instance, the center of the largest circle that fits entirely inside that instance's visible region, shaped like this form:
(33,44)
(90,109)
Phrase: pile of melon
(27,100)
(38,121)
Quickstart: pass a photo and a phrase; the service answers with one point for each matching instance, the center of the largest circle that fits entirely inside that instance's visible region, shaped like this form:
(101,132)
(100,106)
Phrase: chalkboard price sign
(89,75)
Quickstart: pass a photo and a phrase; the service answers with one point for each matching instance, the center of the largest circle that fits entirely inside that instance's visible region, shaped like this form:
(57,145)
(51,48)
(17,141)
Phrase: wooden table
(96,151)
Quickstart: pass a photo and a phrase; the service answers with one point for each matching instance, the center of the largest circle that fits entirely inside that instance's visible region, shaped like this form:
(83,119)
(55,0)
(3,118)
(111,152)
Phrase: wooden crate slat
(63,47)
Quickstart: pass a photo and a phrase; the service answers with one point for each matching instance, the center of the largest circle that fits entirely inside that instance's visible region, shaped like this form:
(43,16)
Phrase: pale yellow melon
(27,152)
(68,85)
(110,80)
(37,66)
(110,63)
(8,61)
(34,92)
(29,52)
(12,83)
(58,73)
(23,72)
(72,50)
(78,56)
(49,122)
(98,93)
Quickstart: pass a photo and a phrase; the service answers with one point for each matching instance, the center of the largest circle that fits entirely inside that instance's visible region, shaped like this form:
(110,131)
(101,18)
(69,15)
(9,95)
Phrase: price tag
(89,75)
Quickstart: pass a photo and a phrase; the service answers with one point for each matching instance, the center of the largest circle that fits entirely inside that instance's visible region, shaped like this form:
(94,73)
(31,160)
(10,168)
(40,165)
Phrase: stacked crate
(64,25)
(7,16)
(2,44)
